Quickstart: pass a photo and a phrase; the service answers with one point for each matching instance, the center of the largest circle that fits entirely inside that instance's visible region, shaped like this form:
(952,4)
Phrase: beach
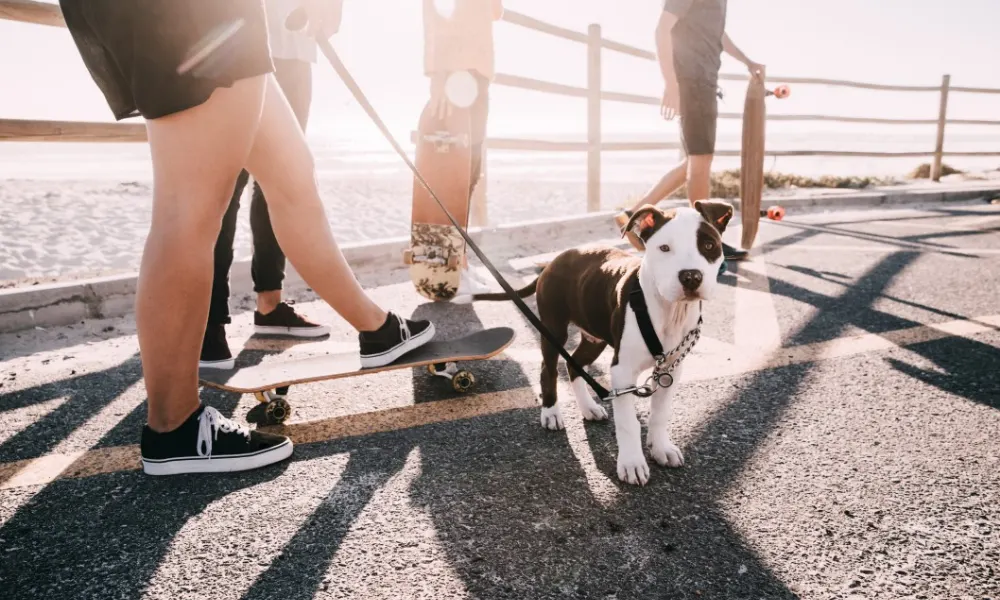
(70,211)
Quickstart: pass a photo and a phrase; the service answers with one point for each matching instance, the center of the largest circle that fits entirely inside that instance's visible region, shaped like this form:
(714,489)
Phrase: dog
(590,287)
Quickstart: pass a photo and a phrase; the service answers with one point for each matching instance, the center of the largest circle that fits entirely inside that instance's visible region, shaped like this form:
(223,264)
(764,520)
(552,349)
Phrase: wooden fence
(31,11)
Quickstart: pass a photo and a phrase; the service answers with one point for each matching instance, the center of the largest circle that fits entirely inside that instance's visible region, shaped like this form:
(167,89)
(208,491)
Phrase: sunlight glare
(461,89)
(445,8)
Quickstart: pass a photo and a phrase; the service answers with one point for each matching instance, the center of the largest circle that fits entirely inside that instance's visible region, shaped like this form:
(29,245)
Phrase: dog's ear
(715,212)
(646,221)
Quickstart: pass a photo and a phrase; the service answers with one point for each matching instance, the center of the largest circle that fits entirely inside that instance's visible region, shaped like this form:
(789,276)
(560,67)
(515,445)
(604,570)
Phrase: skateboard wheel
(775,213)
(407,257)
(463,381)
(782,91)
(277,411)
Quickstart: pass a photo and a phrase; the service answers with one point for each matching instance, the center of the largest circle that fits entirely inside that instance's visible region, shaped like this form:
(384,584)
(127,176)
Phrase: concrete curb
(57,304)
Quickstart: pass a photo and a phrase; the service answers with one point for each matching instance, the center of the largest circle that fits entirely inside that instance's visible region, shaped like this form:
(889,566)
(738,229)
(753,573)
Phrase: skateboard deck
(752,160)
(439,355)
(444,158)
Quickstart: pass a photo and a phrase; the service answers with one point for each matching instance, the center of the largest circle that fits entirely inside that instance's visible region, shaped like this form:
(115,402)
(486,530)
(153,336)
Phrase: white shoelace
(209,424)
(404,330)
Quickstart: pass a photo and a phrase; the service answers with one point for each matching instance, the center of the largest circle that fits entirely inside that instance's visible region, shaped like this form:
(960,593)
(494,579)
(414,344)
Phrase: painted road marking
(44,470)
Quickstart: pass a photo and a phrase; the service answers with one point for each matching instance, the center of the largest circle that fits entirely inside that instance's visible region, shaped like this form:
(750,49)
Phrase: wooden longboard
(444,158)
(752,160)
(480,345)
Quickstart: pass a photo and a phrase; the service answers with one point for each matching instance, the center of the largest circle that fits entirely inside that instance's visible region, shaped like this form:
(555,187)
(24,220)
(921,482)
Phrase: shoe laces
(404,329)
(209,424)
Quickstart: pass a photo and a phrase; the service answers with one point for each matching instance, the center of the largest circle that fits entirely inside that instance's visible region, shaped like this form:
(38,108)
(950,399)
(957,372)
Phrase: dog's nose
(690,279)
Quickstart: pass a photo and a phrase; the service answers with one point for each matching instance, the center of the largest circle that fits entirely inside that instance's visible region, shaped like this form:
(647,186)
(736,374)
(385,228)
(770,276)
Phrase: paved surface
(840,421)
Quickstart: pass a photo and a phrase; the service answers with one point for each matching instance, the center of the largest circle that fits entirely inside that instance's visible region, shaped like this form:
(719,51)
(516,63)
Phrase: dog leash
(293,20)
(662,377)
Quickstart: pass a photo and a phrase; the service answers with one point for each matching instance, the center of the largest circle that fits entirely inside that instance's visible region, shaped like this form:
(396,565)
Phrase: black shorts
(134,49)
(699,113)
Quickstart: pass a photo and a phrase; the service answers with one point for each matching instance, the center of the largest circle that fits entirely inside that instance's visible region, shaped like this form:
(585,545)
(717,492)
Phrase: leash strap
(345,75)
(638,302)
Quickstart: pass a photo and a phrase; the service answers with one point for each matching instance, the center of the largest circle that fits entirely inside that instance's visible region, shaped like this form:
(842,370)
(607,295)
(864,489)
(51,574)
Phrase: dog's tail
(528,290)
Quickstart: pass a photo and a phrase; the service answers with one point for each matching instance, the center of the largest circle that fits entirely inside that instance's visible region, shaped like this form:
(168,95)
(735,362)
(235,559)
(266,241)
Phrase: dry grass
(726,184)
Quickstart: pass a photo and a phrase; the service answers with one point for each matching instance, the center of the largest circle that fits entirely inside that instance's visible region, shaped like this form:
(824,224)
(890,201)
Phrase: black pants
(267,267)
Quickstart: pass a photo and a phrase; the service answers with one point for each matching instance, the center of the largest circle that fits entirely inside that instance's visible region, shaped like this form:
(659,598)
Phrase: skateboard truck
(443,140)
(434,257)
(461,380)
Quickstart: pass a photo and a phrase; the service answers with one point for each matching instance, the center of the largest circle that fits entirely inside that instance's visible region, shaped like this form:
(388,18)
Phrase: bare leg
(281,162)
(667,185)
(699,180)
(197,155)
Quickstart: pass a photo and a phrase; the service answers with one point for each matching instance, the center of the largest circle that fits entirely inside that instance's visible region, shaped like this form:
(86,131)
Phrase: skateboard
(444,157)
(752,155)
(269,382)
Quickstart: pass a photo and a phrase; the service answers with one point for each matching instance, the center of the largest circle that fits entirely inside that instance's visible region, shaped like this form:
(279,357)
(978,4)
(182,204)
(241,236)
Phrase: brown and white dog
(589,287)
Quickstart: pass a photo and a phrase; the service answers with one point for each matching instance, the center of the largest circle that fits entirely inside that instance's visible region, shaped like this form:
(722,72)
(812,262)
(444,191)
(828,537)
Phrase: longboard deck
(752,160)
(444,158)
(480,345)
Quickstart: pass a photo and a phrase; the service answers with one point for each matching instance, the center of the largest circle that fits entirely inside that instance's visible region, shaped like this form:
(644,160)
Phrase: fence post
(942,118)
(594,118)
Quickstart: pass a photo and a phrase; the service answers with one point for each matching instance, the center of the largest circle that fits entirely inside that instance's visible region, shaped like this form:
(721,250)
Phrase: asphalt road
(840,421)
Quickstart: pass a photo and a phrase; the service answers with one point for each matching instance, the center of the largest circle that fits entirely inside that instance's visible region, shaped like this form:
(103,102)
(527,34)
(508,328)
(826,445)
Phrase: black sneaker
(215,352)
(283,320)
(208,442)
(394,338)
(731,253)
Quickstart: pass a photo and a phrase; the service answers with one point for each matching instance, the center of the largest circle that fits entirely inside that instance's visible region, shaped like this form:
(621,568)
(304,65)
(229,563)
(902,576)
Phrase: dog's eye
(664,248)
(709,245)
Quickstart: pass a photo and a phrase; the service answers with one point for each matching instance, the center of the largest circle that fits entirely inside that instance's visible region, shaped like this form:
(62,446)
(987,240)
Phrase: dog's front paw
(632,467)
(594,412)
(665,452)
(552,418)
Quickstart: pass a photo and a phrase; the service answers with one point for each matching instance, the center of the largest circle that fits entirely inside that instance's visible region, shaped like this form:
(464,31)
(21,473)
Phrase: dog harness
(662,376)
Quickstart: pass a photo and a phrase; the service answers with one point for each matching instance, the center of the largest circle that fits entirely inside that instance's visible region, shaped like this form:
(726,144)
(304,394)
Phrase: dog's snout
(691,279)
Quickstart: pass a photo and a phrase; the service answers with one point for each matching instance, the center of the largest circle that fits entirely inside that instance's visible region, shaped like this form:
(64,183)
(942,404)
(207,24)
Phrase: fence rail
(42,13)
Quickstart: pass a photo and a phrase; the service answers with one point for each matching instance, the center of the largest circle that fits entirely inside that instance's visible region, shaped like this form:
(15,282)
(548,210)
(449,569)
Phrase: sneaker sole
(219,464)
(390,356)
(223,365)
(303,332)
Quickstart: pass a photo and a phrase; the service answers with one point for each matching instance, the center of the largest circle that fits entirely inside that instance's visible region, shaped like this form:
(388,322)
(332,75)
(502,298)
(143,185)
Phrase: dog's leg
(661,448)
(632,466)
(585,354)
(551,417)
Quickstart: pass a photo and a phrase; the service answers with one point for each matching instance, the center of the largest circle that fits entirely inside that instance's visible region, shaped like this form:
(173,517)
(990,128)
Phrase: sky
(888,41)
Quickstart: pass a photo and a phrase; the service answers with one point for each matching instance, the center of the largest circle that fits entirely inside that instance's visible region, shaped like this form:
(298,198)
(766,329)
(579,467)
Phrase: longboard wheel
(775,213)
(782,91)
(277,412)
(463,381)
(408,257)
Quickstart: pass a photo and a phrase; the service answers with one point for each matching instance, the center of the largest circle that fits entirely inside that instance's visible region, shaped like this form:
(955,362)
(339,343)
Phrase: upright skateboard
(752,155)
(266,380)
(444,158)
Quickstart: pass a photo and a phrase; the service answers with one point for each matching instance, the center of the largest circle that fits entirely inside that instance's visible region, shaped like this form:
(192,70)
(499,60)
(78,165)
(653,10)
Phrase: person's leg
(197,155)
(282,163)
(699,177)
(668,184)
(215,353)
(699,117)
(478,116)
(274,317)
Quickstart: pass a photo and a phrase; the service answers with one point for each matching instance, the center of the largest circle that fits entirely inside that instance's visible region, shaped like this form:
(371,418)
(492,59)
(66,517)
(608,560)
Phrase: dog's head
(683,247)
